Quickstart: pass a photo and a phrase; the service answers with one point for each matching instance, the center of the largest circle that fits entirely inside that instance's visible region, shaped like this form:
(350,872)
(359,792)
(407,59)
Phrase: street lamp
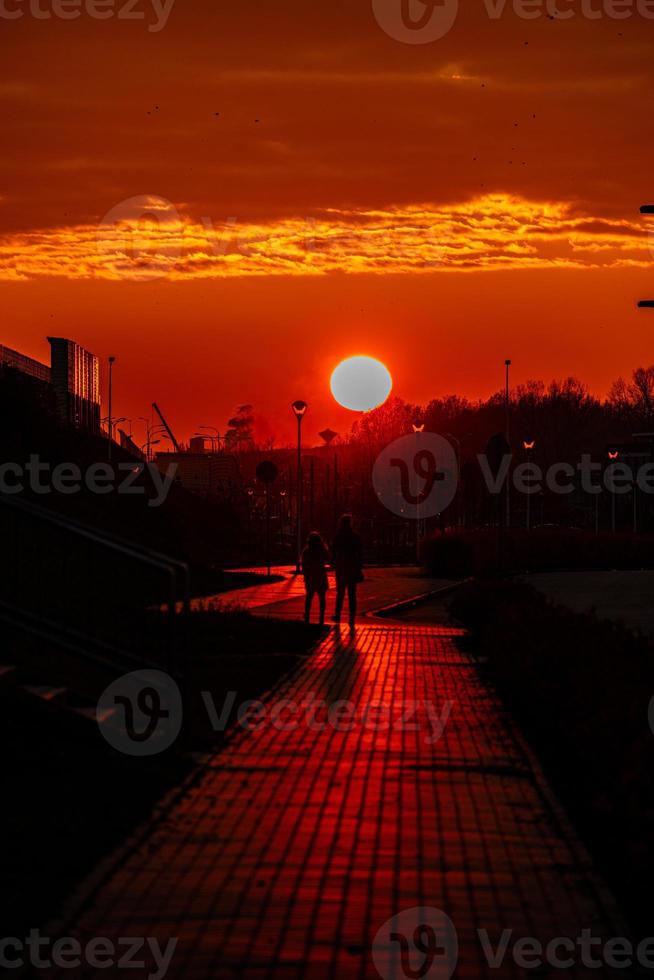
(112,361)
(217,436)
(150,430)
(507,405)
(528,446)
(418,429)
(646,304)
(299,410)
(613,456)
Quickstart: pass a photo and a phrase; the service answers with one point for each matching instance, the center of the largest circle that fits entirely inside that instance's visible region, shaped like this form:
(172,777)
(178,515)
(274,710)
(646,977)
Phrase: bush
(459,554)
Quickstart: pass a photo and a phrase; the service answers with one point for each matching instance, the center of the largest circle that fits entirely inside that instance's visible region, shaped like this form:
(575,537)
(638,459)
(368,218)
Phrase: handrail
(171,568)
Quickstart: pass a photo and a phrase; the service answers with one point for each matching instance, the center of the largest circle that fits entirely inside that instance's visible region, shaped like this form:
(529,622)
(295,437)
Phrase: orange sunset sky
(317,189)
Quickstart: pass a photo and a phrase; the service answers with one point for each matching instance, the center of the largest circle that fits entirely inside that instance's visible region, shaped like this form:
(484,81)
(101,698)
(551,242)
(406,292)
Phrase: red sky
(440,206)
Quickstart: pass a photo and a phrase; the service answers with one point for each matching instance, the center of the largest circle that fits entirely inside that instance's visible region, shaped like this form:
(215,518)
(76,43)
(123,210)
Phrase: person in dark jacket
(314,560)
(347,559)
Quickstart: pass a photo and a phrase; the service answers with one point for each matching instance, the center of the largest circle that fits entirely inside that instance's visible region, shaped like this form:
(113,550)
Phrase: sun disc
(361,383)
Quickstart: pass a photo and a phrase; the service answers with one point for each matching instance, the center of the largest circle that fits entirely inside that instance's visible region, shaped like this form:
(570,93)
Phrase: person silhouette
(314,559)
(347,559)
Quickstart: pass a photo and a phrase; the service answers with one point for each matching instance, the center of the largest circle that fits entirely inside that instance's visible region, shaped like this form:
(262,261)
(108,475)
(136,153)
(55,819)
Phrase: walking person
(314,560)
(347,559)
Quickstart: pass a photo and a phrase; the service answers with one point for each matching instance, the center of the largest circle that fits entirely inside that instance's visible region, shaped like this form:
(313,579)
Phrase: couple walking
(347,562)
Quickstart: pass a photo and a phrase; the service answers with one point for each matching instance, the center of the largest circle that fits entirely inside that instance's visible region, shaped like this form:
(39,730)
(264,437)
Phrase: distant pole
(268,527)
(299,410)
(612,457)
(646,304)
(312,478)
(417,429)
(597,496)
(299,494)
(507,407)
(528,448)
(112,361)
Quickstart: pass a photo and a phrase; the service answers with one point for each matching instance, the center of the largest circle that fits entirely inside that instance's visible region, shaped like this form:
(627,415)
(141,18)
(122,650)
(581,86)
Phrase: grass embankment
(580,689)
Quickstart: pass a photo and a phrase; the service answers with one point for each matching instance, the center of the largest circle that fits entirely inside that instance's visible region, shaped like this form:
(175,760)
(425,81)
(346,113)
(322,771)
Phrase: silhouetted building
(75,377)
(207,474)
(24,364)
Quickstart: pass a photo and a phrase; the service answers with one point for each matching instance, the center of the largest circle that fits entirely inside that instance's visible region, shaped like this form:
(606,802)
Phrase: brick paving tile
(293,847)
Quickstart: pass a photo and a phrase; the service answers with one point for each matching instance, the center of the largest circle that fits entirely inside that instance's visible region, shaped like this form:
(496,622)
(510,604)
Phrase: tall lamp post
(417,429)
(613,456)
(299,410)
(507,409)
(112,361)
(646,304)
(529,446)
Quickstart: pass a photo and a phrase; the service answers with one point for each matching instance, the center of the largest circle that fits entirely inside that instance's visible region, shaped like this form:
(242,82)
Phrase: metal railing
(91,592)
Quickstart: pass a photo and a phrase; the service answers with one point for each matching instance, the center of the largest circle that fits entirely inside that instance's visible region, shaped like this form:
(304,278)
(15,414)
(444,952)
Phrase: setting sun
(361,383)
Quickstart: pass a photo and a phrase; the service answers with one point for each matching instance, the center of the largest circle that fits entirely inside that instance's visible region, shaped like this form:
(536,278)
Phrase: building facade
(75,377)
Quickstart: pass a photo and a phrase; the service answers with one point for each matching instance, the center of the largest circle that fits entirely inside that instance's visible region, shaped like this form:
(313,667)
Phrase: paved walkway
(381,587)
(291,848)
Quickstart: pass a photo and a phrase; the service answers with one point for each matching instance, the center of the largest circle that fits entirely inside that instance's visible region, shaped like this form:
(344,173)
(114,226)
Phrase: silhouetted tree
(240,435)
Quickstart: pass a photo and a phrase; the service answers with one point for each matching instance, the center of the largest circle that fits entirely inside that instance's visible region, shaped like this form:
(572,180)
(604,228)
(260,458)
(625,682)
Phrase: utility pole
(507,435)
(112,361)
(299,410)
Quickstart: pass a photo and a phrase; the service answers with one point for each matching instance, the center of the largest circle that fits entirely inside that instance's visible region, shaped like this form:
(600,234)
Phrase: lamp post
(150,431)
(148,444)
(646,304)
(417,429)
(507,407)
(613,456)
(528,446)
(299,410)
(112,361)
(215,438)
